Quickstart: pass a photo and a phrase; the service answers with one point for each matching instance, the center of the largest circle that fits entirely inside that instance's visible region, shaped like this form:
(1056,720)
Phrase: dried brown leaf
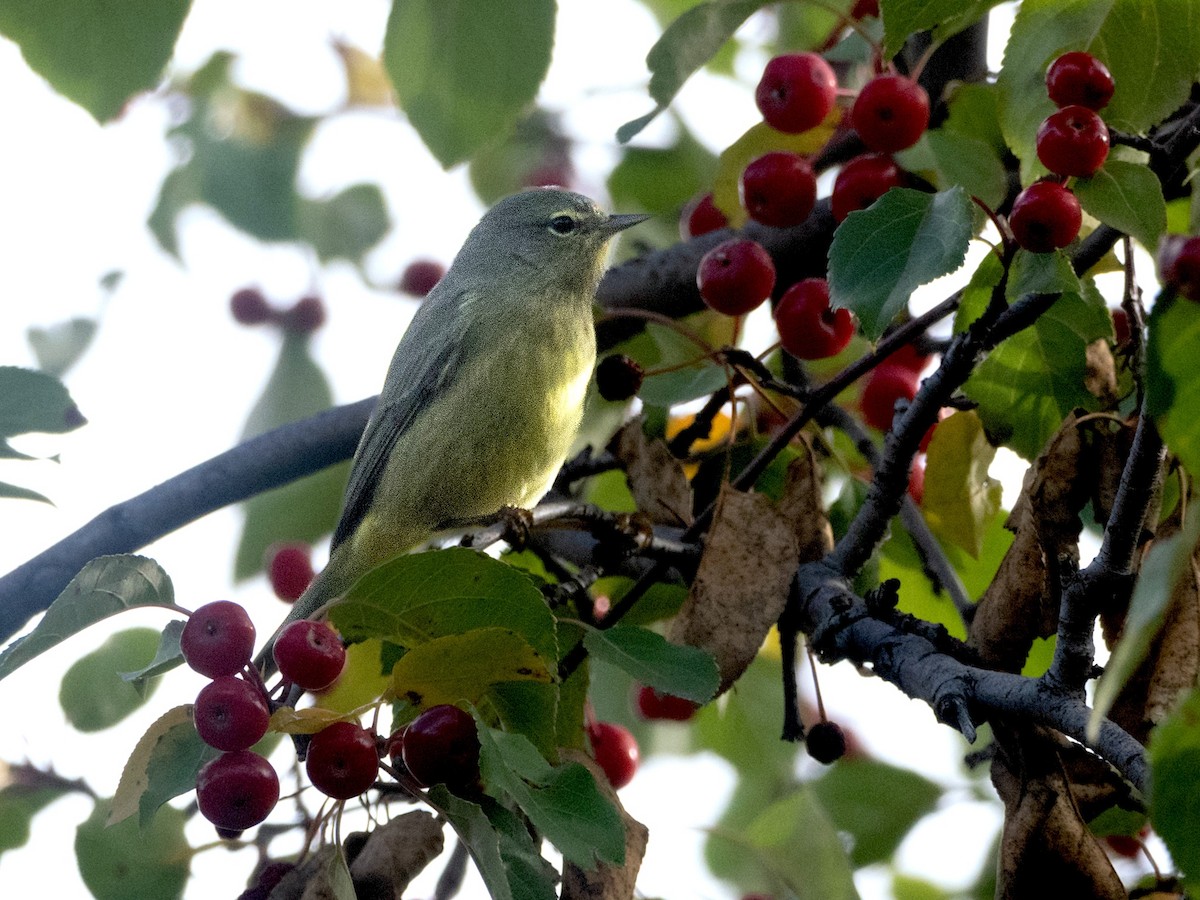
(606,882)
(802,505)
(395,853)
(1100,374)
(742,583)
(655,476)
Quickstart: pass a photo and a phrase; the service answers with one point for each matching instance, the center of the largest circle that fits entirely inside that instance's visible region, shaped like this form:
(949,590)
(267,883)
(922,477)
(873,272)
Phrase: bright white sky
(170,379)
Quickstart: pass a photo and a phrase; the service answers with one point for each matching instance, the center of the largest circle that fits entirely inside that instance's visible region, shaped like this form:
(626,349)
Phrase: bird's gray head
(546,233)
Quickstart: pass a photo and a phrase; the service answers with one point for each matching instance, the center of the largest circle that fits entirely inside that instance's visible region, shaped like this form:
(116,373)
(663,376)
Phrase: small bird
(485,392)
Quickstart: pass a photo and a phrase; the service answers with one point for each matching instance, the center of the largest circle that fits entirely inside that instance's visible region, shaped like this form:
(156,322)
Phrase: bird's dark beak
(616,223)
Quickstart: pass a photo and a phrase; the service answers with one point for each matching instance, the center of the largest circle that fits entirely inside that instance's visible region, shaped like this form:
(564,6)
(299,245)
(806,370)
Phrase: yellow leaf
(360,683)
(134,777)
(461,667)
(960,499)
(303,721)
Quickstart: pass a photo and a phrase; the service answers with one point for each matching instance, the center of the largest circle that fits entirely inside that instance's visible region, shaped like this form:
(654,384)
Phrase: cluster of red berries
(1072,142)
(250,306)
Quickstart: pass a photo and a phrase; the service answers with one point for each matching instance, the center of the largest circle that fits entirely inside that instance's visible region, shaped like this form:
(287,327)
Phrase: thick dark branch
(841,626)
(265,462)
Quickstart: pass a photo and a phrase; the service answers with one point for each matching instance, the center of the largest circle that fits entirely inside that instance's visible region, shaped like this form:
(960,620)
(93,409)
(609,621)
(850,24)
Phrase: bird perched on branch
(485,392)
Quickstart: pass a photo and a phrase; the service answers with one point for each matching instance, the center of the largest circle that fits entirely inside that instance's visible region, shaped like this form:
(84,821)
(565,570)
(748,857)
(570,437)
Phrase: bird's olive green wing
(425,363)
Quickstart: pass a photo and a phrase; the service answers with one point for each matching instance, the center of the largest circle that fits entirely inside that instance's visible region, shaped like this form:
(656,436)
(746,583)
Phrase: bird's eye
(563,224)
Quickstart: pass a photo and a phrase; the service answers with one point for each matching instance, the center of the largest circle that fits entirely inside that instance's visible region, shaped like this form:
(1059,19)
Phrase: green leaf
(58,347)
(96,54)
(650,658)
(661,180)
(33,402)
(465,72)
(970,163)
(19,803)
(502,849)
(798,843)
(1173,378)
(903,19)
(1028,384)
(686,45)
(1168,562)
(166,657)
(106,586)
(163,765)
(880,255)
(122,861)
(463,666)
(421,596)
(851,793)
(303,510)
(13,492)
(346,225)
(1152,48)
(1175,785)
(960,499)
(93,695)
(562,802)
(690,373)
(1127,196)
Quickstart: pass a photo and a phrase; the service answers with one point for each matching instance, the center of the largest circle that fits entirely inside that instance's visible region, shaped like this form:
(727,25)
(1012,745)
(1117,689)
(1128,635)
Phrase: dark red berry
(778,189)
(441,746)
(700,217)
(237,790)
(615,750)
(796,92)
(618,377)
(865,9)
(890,113)
(1045,217)
(736,276)
(808,328)
(1073,141)
(342,760)
(218,639)
(909,357)
(231,714)
(249,306)
(862,181)
(420,277)
(886,385)
(1120,320)
(1078,78)
(305,317)
(309,654)
(289,569)
(825,742)
(1179,265)
(654,706)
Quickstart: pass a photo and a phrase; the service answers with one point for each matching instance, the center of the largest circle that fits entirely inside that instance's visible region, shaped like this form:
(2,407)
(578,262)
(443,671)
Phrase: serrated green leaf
(650,658)
(33,402)
(1175,785)
(19,803)
(880,255)
(465,72)
(1127,196)
(303,510)
(422,596)
(530,875)
(93,695)
(106,586)
(960,499)
(903,19)
(796,841)
(163,765)
(1168,562)
(58,347)
(562,801)
(122,861)
(96,54)
(850,794)
(1028,384)
(1173,378)
(460,667)
(686,45)
(970,163)
(166,657)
